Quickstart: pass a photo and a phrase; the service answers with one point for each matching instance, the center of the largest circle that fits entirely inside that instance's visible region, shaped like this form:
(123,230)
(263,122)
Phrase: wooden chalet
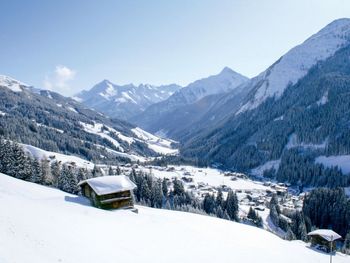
(324,238)
(109,192)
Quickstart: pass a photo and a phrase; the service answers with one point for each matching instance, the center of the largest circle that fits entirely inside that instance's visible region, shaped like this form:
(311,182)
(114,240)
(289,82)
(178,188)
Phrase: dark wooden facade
(121,199)
(320,241)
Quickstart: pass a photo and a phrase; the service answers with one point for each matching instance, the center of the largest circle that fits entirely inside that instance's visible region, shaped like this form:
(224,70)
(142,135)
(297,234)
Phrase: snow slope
(53,156)
(342,161)
(296,63)
(59,227)
(157,144)
(11,83)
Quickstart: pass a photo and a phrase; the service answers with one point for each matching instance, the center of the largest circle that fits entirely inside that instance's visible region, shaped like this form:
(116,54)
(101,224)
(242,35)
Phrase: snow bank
(59,227)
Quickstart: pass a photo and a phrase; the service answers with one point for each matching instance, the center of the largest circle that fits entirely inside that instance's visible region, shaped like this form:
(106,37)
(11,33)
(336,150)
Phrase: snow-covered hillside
(11,83)
(53,156)
(157,144)
(341,161)
(59,227)
(296,63)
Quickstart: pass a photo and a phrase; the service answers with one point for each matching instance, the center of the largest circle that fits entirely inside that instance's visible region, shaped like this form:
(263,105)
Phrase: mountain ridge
(124,101)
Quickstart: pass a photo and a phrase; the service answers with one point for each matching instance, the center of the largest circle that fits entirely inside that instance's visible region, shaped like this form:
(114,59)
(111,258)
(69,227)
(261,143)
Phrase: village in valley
(255,194)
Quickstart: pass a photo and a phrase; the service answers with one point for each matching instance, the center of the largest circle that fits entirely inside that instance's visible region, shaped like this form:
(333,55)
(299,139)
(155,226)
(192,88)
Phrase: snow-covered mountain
(295,116)
(296,63)
(153,117)
(124,101)
(12,84)
(225,81)
(60,227)
(52,122)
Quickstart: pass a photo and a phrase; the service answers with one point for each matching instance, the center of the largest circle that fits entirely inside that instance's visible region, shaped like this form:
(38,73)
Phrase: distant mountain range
(188,104)
(125,101)
(52,122)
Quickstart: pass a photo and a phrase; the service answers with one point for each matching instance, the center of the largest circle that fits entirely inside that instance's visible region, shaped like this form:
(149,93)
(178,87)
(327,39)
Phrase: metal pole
(331,248)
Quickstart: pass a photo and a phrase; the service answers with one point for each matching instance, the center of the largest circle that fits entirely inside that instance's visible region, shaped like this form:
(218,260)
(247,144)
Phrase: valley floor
(40,224)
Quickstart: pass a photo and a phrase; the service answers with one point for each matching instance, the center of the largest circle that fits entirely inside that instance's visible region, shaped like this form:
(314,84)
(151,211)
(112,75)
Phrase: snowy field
(53,156)
(40,224)
(209,176)
(342,161)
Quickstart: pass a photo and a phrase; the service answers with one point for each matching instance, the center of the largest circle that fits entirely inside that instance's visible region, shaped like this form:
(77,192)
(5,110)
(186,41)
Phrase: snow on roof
(327,234)
(109,184)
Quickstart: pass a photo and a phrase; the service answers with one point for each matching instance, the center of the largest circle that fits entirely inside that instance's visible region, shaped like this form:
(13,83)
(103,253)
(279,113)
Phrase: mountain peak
(297,62)
(11,83)
(227,70)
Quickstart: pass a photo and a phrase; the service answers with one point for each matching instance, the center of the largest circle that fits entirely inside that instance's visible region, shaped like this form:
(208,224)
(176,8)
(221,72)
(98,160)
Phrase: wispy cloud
(60,79)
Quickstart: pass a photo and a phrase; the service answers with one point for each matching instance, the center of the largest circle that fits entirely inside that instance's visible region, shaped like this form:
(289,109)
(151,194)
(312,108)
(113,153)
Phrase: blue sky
(69,45)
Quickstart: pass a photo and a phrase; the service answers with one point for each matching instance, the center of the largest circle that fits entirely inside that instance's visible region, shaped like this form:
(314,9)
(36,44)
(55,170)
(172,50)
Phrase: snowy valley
(224,169)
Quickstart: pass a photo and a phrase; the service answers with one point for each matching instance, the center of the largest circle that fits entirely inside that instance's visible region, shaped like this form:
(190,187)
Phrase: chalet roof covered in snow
(109,184)
(327,234)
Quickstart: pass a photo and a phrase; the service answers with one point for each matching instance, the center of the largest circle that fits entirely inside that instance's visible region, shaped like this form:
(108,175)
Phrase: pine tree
(178,187)
(110,171)
(209,204)
(67,181)
(251,214)
(55,172)
(232,205)
(81,175)
(96,172)
(157,194)
(219,199)
(219,212)
(290,235)
(18,168)
(165,187)
(36,172)
(118,171)
(46,171)
(346,245)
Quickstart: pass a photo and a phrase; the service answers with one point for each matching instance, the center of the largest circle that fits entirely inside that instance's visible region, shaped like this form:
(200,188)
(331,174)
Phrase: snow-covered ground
(11,83)
(59,227)
(342,161)
(159,145)
(53,156)
(259,171)
(209,176)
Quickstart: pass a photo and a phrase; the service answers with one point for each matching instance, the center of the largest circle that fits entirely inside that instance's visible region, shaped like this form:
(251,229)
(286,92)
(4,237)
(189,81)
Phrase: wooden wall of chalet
(101,201)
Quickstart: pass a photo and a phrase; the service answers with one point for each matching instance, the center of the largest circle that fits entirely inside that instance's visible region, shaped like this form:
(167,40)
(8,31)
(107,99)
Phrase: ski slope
(41,224)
